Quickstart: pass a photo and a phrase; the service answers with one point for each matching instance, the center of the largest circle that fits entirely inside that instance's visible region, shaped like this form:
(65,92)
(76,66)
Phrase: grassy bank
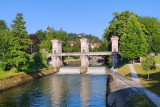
(141,100)
(154,83)
(125,71)
(157,59)
(12,72)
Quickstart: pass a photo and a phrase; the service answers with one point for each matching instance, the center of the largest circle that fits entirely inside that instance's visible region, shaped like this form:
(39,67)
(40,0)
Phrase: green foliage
(92,39)
(152,32)
(72,37)
(4,42)
(133,43)
(76,47)
(14,46)
(103,47)
(117,24)
(35,46)
(3,25)
(53,34)
(38,61)
(41,35)
(148,63)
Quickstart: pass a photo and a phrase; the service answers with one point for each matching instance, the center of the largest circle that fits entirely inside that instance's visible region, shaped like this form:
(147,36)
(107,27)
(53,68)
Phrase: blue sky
(77,16)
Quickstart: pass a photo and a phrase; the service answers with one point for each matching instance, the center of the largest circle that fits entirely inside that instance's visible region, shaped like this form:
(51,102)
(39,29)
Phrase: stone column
(56,49)
(84,58)
(114,40)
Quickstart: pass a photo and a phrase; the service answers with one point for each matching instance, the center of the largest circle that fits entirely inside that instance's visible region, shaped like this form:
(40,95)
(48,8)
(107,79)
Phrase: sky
(76,16)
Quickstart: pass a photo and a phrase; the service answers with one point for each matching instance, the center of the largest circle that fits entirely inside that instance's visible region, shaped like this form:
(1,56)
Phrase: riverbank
(21,78)
(122,92)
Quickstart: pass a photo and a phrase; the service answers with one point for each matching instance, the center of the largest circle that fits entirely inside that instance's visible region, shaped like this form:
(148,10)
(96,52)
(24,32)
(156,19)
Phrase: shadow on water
(58,90)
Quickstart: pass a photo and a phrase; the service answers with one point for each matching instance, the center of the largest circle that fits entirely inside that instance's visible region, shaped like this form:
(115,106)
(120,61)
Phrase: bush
(38,61)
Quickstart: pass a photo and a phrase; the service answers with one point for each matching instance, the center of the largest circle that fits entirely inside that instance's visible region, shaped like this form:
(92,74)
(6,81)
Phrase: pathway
(151,95)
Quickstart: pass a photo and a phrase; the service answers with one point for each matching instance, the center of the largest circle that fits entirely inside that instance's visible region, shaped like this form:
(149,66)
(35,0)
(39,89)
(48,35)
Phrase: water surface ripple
(58,91)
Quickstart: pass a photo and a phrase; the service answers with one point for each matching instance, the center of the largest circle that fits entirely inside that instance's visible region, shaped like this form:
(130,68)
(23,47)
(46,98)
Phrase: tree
(148,63)
(117,24)
(133,43)
(76,47)
(19,43)
(4,37)
(152,32)
(35,46)
(41,35)
(56,34)
(3,25)
(72,36)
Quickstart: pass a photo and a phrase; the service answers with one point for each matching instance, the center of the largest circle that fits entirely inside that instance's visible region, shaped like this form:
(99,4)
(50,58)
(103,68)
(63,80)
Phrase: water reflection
(85,90)
(58,90)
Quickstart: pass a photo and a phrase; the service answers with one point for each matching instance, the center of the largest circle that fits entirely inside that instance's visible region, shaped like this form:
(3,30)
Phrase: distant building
(72,43)
(48,29)
(93,45)
(81,35)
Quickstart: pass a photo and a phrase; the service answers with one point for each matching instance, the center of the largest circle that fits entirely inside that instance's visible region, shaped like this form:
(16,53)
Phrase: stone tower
(84,45)
(84,58)
(56,48)
(114,40)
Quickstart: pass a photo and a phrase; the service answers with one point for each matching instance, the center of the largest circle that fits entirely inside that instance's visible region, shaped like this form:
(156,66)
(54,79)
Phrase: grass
(71,59)
(125,71)
(141,100)
(153,84)
(12,72)
(157,59)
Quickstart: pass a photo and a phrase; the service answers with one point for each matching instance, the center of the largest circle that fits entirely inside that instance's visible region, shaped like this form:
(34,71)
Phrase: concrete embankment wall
(118,92)
(19,79)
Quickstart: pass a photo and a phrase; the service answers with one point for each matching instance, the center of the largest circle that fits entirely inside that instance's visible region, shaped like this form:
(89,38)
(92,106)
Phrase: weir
(100,70)
(56,55)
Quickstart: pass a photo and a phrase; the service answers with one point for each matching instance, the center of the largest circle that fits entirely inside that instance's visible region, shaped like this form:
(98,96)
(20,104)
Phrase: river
(57,90)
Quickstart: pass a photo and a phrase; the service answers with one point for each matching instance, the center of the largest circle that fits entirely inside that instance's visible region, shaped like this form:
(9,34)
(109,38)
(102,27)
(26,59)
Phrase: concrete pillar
(114,40)
(84,58)
(56,49)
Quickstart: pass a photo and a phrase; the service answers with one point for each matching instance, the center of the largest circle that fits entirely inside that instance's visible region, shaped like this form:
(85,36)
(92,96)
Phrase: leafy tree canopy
(35,46)
(133,43)
(148,63)
(18,43)
(56,34)
(117,24)
(3,25)
(41,35)
(152,32)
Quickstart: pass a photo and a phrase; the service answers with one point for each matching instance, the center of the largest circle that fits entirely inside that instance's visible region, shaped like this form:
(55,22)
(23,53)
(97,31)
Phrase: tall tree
(41,35)
(19,43)
(35,46)
(133,43)
(152,32)
(117,24)
(3,25)
(56,34)
(4,36)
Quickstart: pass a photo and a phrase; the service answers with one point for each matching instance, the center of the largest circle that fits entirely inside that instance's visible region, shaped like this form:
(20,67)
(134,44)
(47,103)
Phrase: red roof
(96,44)
(72,42)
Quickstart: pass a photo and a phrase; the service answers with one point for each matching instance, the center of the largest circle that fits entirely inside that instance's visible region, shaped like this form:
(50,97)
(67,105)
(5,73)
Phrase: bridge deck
(79,53)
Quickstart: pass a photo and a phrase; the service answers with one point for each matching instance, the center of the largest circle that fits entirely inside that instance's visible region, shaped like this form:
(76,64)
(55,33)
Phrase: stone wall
(22,78)
(118,93)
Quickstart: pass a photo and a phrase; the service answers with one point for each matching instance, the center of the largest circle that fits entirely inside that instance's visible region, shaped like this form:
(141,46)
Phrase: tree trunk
(148,75)
(133,61)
